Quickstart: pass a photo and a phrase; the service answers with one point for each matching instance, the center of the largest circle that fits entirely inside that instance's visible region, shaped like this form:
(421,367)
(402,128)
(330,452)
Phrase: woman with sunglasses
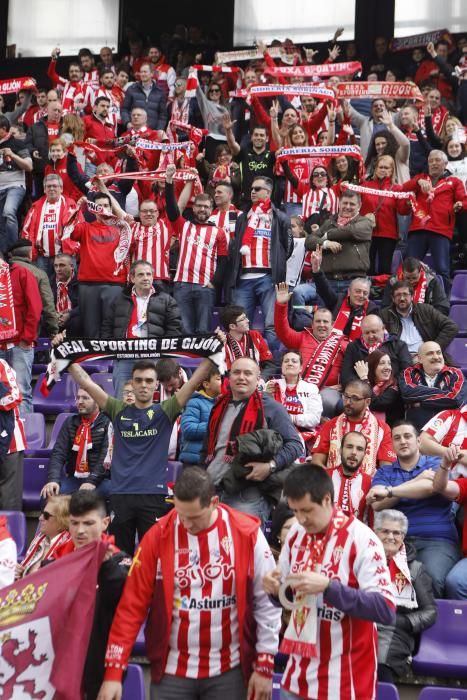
(53,532)
(212,108)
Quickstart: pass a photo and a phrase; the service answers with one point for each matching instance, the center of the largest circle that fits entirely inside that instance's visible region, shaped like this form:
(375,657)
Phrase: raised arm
(85,382)
(228,128)
(198,376)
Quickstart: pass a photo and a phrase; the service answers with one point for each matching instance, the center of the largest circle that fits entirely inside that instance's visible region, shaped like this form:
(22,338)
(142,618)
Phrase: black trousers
(94,303)
(11,481)
(135,513)
(383,248)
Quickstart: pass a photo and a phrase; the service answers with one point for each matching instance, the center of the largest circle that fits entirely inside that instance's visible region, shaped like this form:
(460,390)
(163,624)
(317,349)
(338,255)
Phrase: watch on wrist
(389,491)
(272,466)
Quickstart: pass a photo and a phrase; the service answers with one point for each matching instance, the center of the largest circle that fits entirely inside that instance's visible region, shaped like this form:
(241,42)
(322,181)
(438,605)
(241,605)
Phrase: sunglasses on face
(258,189)
(214,90)
(320,173)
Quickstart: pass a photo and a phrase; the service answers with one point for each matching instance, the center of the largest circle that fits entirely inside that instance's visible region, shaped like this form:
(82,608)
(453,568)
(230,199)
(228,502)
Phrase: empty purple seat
(34,425)
(61,398)
(104,380)
(459,272)
(459,290)
(17,527)
(458,313)
(139,647)
(133,686)
(94,366)
(386,691)
(35,477)
(190,362)
(458,351)
(215,320)
(59,421)
(173,470)
(276,686)
(443,694)
(443,647)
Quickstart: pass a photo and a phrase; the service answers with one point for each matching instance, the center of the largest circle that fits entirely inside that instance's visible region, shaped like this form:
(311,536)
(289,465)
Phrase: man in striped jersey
(211,631)
(337,568)
(151,242)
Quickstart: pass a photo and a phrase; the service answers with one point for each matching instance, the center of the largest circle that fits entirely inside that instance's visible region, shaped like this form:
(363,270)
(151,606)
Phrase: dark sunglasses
(319,173)
(214,90)
(258,189)
(46,515)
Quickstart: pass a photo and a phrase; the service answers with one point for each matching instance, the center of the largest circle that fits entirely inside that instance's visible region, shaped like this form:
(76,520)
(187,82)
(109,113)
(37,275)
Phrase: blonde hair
(58,142)
(72,124)
(62,510)
(393,165)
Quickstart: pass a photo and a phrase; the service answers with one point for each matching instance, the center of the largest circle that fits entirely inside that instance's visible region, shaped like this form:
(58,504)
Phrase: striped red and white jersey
(200,245)
(350,493)
(225,220)
(312,201)
(91,79)
(301,168)
(152,243)
(204,639)
(258,257)
(18,439)
(114,110)
(48,235)
(346,662)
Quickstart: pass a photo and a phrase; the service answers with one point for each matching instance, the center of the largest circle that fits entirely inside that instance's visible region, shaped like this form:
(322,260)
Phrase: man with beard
(351,484)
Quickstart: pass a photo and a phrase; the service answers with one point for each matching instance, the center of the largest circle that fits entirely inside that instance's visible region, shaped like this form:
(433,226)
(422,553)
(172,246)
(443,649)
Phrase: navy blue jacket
(154,104)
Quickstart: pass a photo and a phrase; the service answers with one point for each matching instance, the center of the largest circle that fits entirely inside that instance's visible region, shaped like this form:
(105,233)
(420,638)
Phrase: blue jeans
(422,242)
(258,290)
(249,501)
(121,374)
(10,200)
(196,304)
(70,484)
(456,581)
(438,556)
(304,294)
(47,264)
(339,286)
(21,361)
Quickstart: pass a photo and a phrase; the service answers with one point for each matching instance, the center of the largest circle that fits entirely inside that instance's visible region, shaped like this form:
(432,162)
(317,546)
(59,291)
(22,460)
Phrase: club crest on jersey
(400,582)
(337,554)
(150,413)
(300,616)
(226,544)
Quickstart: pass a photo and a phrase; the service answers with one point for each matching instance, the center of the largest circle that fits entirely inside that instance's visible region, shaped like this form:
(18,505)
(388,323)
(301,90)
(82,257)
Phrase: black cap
(20,243)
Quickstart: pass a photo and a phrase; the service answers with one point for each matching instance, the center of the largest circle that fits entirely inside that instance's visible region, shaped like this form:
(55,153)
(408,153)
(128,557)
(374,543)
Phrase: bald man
(431,386)
(374,337)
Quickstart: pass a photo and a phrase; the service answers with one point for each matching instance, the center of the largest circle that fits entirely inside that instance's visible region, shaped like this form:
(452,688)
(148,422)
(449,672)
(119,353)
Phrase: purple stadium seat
(17,528)
(35,477)
(443,647)
(458,351)
(443,694)
(258,320)
(173,470)
(61,398)
(133,686)
(459,272)
(396,261)
(276,686)
(387,691)
(45,451)
(104,379)
(139,647)
(34,425)
(215,320)
(459,290)
(93,366)
(458,313)
(190,362)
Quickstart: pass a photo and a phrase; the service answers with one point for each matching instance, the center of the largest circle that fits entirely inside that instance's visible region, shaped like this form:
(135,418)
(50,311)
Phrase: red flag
(45,625)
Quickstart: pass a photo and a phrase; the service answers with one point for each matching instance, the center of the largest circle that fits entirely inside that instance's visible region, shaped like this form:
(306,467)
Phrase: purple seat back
(139,647)
(459,289)
(34,425)
(133,687)
(61,398)
(104,380)
(35,477)
(17,527)
(94,366)
(443,694)
(458,351)
(276,686)
(258,320)
(396,261)
(386,691)
(443,647)
(173,470)
(458,313)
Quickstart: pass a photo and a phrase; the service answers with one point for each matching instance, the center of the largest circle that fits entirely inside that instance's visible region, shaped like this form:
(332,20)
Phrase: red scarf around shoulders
(250,418)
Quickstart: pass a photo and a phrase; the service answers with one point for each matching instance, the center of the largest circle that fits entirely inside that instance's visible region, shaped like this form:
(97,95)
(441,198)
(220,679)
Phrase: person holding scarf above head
(333,575)
(413,594)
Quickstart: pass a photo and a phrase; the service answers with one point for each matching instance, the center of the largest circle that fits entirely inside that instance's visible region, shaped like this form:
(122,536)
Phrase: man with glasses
(151,242)
(258,256)
(243,342)
(77,459)
(416,323)
(201,261)
(356,417)
(407,484)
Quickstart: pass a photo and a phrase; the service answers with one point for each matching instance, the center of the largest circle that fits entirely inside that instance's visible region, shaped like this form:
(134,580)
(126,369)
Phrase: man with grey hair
(438,195)
(45,222)
(344,241)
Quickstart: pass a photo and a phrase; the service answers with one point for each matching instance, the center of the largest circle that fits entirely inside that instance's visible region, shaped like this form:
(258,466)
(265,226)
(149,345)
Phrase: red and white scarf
(379,90)
(344,315)
(7,307)
(139,315)
(81,444)
(8,85)
(419,291)
(401,580)
(63,300)
(378,193)
(122,250)
(301,634)
(319,70)
(180,111)
(38,546)
(322,359)
(438,117)
(415,41)
(369,428)
(255,219)
(301,89)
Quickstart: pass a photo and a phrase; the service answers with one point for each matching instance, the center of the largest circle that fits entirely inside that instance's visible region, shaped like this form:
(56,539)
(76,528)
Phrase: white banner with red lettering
(301,89)
(9,85)
(322,70)
(319,152)
(376,90)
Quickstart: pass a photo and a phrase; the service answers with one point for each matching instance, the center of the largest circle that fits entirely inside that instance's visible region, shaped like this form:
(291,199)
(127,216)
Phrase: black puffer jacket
(395,348)
(163,316)
(396,642)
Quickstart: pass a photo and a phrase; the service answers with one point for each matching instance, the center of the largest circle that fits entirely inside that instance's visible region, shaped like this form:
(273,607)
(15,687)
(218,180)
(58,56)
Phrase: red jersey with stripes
(11,402)
(204,639)
(313,199)
(450,428)
(350,493)
(346,662)
(225,220)
(301,168)
(258,257)
(152,243)
(251,345)
(200,245)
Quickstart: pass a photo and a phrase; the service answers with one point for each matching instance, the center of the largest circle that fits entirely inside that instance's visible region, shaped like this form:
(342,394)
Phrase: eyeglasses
(397,534)
(129,392)
(46,515)
(242,318)
(258,188)
(319,173)
(353,399)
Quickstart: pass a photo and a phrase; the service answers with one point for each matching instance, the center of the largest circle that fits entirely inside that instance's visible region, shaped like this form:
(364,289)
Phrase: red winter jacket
(27,302)
(96,129)
(439,207)
(385,209)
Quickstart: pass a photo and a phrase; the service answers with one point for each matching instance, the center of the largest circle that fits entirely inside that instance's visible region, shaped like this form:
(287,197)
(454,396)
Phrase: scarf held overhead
(80,350)
(376,90)
(321,70)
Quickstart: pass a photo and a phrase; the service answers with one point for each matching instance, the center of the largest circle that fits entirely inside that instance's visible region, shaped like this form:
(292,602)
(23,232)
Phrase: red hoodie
(60,168)
(385,209)
(438,205)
